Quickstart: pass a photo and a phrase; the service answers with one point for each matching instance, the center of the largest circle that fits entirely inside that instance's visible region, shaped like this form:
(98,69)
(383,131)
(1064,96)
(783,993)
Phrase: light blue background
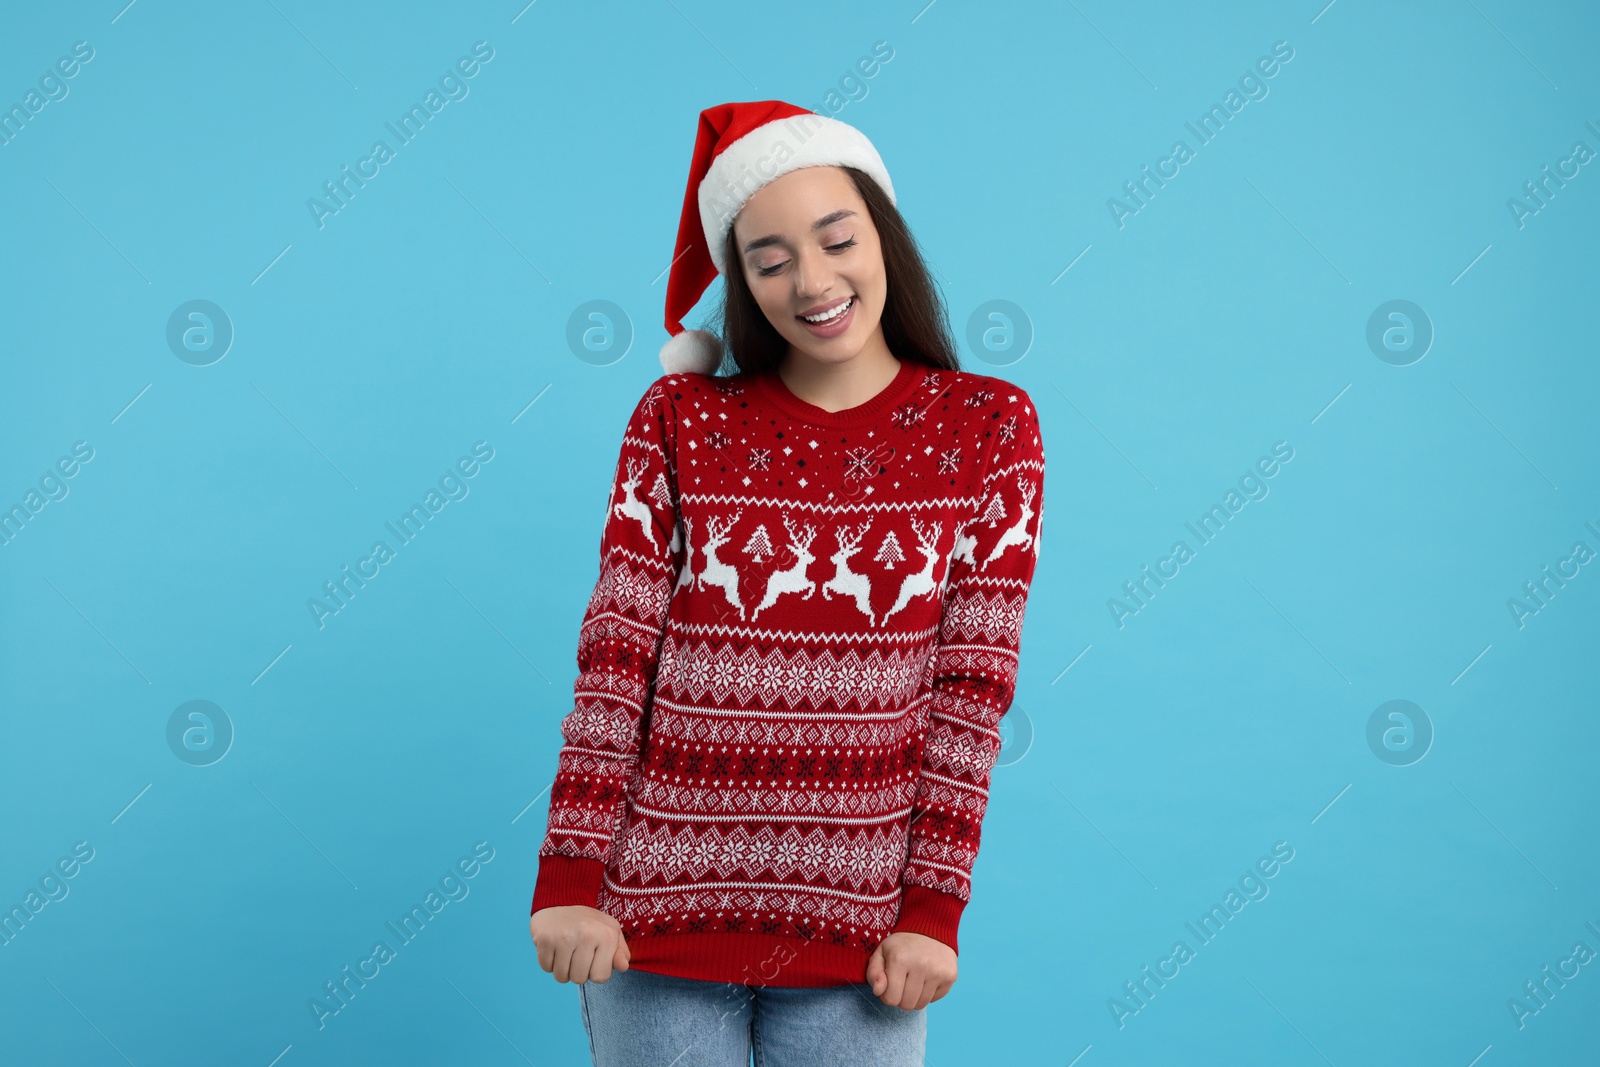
(431,312)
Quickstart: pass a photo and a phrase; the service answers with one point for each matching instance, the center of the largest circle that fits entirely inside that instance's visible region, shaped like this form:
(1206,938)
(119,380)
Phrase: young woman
(804,634)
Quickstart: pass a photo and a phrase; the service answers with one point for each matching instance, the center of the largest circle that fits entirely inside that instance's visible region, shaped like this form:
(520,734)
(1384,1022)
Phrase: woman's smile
(832,320)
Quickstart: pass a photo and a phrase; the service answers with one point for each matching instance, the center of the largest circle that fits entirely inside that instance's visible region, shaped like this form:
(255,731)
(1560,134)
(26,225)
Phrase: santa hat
(740,147)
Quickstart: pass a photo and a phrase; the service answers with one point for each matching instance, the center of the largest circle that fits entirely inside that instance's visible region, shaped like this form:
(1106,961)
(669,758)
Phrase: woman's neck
(836,386)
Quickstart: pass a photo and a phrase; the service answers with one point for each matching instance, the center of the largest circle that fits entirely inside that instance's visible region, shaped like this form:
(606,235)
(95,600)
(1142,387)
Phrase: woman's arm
(975,673)
(618,647)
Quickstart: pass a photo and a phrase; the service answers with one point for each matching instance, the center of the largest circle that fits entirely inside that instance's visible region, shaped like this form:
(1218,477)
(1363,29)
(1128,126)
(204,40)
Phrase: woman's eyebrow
(822,223)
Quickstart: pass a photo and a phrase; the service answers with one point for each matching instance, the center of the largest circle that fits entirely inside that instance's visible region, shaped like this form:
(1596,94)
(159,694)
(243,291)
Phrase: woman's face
(808,246)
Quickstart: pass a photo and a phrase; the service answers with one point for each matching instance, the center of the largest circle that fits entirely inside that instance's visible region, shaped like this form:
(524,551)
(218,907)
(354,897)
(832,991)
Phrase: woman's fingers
(875,973)
(583,962)
(621,956)
(562,962)
(600,967)
(894,985)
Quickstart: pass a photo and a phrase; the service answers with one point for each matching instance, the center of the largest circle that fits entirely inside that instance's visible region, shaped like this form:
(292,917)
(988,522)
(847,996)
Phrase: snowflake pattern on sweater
(792,670)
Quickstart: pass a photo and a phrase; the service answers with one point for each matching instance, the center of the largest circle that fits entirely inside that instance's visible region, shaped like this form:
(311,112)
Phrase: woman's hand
(578,944)
(911,971)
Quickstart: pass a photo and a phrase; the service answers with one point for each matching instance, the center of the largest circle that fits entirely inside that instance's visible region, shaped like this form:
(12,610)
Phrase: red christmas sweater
(792,670)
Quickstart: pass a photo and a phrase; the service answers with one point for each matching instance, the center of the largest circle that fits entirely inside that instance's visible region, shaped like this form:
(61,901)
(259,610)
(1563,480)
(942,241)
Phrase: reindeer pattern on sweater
(793,665)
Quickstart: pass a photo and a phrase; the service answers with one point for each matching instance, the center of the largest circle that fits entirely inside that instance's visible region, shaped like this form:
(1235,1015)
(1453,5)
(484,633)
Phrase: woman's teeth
(829,316)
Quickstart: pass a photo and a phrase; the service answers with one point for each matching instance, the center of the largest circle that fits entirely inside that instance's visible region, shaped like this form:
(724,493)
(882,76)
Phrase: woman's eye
(766,272)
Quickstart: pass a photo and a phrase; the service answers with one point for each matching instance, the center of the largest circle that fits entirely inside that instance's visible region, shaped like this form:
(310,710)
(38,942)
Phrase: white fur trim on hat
(771,151)
(692,352)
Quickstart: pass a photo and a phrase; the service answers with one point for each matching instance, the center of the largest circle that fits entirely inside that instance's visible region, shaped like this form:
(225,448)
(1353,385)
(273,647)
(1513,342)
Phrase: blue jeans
(642,1019)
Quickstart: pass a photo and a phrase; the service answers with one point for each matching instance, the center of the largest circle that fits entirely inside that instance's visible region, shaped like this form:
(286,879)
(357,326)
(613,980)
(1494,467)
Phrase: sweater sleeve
(974,672)
(619,643)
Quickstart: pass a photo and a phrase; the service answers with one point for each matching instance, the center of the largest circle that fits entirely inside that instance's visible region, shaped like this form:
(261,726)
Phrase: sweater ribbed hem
(930,913)
(749,959)
(563,881)
(745,958)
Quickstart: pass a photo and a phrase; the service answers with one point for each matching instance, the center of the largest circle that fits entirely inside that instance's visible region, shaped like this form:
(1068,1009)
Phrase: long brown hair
(914,323)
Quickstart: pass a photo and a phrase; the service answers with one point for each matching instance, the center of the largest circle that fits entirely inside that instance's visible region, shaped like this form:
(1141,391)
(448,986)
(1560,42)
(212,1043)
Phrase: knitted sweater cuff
(566,880)
(931,913)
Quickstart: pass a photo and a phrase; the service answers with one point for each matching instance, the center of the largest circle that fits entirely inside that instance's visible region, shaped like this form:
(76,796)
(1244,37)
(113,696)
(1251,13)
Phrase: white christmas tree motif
(920,583)
(889,552)
(716,572)
(662,492)
(793,579)
(1017,533)
(631,507)
(759,547)
(995,511)
(845,581)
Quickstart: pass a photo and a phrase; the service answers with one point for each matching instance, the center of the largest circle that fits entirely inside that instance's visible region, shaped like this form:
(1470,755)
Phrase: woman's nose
(812,278)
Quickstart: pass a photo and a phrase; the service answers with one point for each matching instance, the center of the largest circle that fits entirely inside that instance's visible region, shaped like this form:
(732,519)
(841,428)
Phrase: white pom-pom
(692,352)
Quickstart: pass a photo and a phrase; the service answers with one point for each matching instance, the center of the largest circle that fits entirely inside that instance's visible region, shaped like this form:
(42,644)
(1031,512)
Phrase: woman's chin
(840,349)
